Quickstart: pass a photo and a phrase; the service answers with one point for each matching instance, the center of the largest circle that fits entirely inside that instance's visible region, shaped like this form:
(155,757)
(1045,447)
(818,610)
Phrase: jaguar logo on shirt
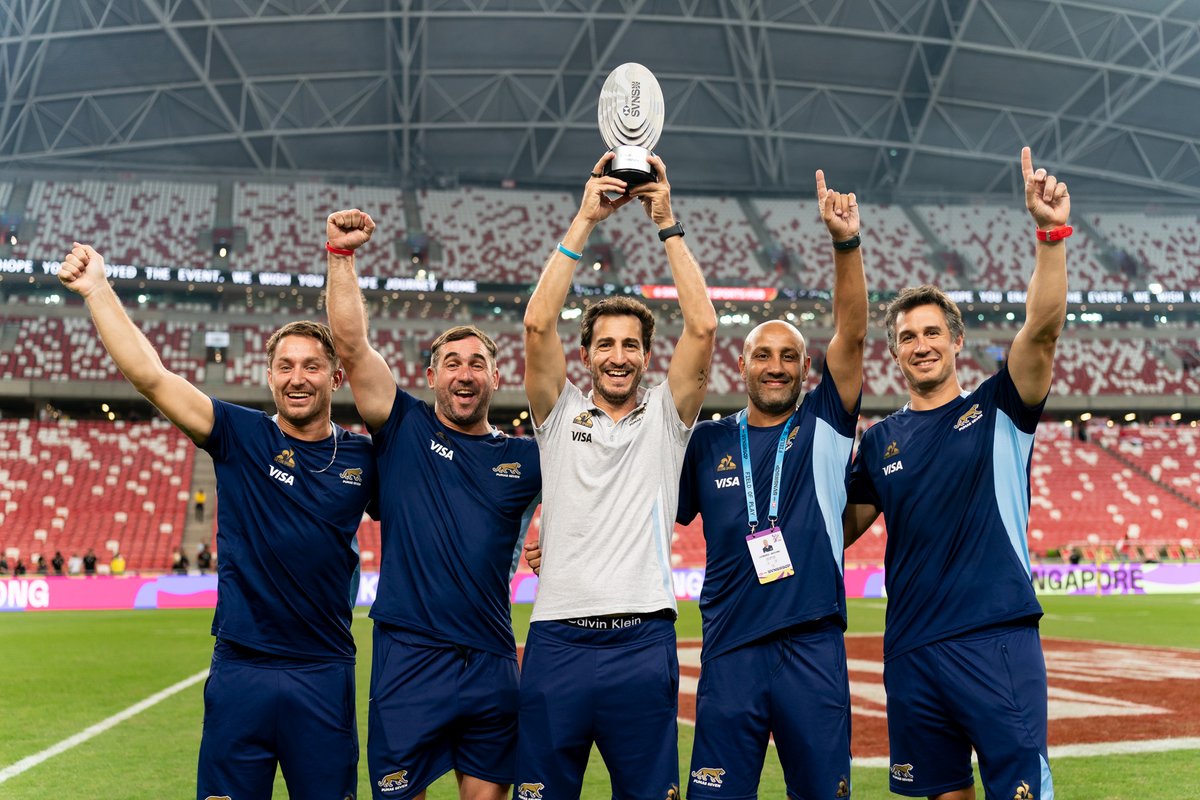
(891,452)
(584,418)
(352,476)
(969,418)
(902,772)
(726,464)
(285,458)
(510,470)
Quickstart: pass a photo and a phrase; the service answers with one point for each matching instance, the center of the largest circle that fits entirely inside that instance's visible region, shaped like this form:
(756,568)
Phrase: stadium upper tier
(504,235)
(65,348)
(112,487)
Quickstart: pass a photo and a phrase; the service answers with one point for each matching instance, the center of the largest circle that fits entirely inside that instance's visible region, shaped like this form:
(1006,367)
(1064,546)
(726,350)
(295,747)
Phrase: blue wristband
(573,256)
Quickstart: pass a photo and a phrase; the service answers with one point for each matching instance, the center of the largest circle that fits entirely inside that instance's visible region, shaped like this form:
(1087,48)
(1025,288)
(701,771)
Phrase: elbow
(535,324)
(704,326)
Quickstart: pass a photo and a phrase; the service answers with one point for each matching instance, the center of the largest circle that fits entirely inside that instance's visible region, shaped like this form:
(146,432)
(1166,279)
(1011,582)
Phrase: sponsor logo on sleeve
(707,776)
(530,791)
(969,418)
(902,772)
(510,470)
(393,781)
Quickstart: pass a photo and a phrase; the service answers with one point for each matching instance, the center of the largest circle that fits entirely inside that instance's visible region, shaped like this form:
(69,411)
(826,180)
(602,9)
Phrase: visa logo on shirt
(281,476)
(725,483)
(895,466)
(441,450)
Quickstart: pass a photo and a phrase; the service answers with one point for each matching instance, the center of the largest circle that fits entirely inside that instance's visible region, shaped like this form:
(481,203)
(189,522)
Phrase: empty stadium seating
(1165,247)
(285,225)
(70,486)
(143,222)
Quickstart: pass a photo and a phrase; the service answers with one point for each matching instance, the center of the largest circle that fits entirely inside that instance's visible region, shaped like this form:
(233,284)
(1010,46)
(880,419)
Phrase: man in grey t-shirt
(600,663)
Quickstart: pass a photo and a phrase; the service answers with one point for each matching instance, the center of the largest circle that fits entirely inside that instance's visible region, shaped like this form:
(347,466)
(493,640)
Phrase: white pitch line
(32,761)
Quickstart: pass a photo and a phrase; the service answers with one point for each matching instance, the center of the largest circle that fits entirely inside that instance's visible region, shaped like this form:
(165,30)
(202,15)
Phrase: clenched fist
(82,271)
(349,230)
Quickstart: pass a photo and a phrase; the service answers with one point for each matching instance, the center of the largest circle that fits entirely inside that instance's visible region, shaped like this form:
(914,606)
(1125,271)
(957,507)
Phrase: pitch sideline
(29,762)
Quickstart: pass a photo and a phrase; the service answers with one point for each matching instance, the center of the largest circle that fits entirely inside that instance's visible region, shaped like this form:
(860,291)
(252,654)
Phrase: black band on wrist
(667,233)
(849,244)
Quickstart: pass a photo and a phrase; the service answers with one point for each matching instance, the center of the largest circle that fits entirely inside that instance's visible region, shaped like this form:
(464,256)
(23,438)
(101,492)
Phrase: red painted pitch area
(1098,692)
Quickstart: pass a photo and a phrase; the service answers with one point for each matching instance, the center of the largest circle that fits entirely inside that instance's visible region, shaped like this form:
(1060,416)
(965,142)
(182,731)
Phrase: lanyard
(747,472)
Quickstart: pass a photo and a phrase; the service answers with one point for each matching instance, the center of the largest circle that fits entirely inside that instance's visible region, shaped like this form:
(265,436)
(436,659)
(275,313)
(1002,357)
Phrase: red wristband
(1055,234)
(337,251)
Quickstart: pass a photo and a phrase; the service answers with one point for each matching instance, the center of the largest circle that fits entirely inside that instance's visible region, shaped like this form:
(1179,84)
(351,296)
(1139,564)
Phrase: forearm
(344,302)
(699,316)
(849,295)
(1046,301)
(541,314)
(128,347)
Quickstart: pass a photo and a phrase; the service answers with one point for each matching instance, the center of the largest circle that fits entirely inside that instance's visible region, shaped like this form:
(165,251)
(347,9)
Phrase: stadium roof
(896,98)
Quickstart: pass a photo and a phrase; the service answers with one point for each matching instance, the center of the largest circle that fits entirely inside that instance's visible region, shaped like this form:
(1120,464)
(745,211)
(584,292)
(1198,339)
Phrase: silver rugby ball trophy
(631,119)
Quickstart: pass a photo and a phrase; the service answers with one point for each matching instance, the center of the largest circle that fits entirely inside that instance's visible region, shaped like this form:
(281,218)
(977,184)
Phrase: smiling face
(616,358)
(925,349)
(302,379)
(774,364)
(463,377)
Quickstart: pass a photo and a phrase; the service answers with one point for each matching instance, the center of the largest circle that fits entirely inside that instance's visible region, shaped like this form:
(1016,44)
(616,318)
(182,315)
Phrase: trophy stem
(630,164)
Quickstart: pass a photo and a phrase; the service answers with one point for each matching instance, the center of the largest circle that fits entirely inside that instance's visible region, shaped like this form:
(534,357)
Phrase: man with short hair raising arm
(963,663)
(291,492)
(769,483)
(456,497)
(600,663)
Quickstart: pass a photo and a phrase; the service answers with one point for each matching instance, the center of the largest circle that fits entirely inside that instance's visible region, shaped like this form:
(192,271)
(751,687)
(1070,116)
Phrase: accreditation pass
(770,555)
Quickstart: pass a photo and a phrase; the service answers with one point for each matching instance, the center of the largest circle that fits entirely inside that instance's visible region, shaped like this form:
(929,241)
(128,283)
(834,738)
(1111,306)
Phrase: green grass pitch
(62,672)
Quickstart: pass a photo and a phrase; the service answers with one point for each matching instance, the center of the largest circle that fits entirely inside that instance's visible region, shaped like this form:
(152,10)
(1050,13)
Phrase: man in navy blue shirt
(456,497)
(769,485)
(292,489)
(963,663)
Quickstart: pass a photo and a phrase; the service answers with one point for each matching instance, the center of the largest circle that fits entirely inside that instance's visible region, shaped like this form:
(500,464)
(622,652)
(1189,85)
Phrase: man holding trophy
(600,662)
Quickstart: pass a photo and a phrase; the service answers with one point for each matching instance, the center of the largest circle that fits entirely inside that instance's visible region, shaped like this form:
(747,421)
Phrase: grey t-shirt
(609,496)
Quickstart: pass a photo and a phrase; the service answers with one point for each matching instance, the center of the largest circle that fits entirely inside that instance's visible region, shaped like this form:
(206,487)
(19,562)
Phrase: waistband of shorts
(617,622)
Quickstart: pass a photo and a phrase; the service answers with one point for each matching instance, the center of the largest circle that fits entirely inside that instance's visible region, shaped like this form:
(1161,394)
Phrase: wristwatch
(674,230)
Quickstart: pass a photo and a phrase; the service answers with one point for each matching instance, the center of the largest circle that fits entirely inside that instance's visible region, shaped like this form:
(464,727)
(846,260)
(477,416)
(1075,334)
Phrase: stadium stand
(996,245)
(111,487)
(895,253)
(285,225)
(1160,248)
(495,235)
(68,349)
(148,223)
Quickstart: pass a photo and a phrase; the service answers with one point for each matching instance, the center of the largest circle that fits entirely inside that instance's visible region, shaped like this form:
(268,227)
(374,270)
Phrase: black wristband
(667,233)
(850,244)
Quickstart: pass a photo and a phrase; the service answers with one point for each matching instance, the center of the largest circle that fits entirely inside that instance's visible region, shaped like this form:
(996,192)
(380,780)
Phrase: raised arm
(845,354)
(1031,359)
(545,363)
(688,371)
(370,377)
(191,411)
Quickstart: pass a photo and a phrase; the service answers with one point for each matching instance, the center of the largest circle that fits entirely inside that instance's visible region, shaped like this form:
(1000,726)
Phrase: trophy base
(630,165)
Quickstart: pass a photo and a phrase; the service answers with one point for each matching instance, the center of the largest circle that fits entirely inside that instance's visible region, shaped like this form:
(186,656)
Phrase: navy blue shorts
(437,707)
(618,688)
(985,689)
(260,710)
(792,685)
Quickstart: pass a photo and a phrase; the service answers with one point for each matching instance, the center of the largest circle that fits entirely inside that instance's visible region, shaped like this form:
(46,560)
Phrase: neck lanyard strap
(748,473)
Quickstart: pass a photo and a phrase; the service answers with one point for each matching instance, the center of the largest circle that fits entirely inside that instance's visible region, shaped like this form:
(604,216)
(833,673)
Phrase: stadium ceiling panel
(898,98)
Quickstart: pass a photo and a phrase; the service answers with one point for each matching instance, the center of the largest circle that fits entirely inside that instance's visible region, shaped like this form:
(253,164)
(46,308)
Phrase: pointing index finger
(821,185)
(1026,163)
